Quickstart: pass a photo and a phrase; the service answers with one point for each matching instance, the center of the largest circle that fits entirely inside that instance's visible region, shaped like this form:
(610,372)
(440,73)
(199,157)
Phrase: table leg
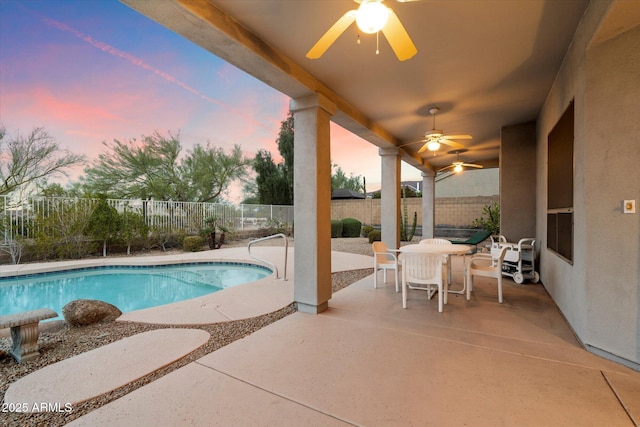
(464,284)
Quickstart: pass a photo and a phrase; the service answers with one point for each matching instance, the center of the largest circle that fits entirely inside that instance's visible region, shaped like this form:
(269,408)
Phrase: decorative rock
(87,311)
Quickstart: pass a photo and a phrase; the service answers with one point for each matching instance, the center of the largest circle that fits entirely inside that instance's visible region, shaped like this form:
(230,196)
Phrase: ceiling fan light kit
(371,17)
(435,138)
(458,166)
(433,146)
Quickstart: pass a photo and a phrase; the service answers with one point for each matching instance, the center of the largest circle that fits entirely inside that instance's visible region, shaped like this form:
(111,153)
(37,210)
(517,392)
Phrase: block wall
(450,211)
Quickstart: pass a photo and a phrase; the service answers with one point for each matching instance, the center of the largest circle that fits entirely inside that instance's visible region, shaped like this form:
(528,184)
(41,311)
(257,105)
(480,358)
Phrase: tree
(72,189)
(31,159)
(272,186)
(340,180)
(132,227)
(209,171)
(274,183)
(138,169)
(152,167)
(285,147)
(104,223)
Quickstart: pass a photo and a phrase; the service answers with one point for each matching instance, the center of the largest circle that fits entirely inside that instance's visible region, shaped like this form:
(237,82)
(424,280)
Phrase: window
(560,186)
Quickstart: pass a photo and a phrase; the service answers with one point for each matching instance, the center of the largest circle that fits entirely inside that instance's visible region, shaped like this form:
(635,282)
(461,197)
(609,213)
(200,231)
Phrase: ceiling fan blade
(331,35)
(398,38)
(451,144)
(423,149)
(457,137)
(446,167)
(413,142)
(471,165)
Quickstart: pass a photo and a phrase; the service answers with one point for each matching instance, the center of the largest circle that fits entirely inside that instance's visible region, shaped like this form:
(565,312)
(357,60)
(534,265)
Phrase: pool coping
(248,300)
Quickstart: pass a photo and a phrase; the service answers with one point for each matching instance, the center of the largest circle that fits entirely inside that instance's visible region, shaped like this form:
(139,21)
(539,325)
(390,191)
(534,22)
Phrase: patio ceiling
(485,64)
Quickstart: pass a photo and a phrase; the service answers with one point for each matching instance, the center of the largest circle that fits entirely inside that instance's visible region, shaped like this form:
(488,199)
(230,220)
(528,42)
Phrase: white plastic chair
(445,258)
(384,259)
(423,269)
(485,265)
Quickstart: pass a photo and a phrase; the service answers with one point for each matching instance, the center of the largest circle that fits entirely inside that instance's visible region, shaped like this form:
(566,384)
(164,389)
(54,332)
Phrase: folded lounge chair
(474,240)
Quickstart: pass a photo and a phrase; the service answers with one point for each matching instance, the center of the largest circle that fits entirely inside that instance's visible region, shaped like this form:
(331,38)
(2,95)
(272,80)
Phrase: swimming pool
(127,287)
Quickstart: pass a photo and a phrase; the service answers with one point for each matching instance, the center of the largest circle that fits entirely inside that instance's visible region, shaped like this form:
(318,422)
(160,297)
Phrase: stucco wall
(471,183)
(518,186)
(599,292)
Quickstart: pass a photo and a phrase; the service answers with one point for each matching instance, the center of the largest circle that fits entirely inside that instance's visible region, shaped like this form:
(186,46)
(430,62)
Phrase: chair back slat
(435,242)
(422,268)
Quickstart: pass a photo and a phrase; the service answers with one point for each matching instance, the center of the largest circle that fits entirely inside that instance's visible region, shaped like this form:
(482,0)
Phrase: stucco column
(390,197)
(312,202)
(428,204)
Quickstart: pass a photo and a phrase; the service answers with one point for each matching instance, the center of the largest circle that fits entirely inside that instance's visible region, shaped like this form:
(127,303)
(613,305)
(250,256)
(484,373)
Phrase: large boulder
(87,311)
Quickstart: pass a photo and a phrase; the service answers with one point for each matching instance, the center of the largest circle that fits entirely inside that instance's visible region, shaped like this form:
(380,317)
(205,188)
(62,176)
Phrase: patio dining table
(446,250)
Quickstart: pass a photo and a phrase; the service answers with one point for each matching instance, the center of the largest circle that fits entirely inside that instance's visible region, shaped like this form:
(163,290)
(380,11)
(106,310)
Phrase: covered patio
(507,73)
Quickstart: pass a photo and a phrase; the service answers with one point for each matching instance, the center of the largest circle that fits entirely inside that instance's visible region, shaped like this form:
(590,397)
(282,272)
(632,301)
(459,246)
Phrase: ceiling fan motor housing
(434,134)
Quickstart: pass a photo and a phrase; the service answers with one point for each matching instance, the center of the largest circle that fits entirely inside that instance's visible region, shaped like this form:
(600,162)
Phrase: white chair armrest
(482,255)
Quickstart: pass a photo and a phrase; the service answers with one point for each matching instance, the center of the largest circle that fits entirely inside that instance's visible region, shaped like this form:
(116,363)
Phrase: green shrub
(192,243)
(490,222)
(366,230)
(351,227)
(336,228)
(375,236)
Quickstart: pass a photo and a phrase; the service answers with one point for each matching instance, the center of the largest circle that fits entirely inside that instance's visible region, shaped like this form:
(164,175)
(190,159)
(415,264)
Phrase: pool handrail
(286,251)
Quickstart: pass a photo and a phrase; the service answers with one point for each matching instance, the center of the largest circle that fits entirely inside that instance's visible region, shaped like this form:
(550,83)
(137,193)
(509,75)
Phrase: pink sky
(99,71)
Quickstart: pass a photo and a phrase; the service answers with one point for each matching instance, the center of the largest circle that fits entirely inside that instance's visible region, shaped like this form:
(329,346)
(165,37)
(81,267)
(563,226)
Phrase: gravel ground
(58,342)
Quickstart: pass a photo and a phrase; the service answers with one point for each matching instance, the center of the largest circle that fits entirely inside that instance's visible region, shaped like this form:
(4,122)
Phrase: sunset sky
(95,71)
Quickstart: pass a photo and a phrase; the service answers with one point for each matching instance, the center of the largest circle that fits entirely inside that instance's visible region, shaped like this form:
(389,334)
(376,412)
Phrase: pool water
(128,288)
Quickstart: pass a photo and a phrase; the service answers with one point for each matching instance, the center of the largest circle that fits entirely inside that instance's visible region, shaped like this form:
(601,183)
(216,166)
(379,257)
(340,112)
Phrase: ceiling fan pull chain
(378,43)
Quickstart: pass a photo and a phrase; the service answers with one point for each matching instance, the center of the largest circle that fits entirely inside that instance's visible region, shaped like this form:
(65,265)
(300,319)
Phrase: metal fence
(21,217)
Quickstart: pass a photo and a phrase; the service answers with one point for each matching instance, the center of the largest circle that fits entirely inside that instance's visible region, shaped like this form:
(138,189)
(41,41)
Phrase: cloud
(138,62)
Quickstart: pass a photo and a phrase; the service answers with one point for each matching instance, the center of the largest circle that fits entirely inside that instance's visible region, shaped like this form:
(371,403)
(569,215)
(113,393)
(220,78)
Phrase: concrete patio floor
(367,361)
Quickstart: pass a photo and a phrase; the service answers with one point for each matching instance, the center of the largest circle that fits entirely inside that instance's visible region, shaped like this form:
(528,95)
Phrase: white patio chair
(485,265)
(445,258)
(384,259)
(423,269)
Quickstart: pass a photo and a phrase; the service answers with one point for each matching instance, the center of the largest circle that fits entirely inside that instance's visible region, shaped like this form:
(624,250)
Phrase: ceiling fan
(435,137)
(459,165)
(371,17)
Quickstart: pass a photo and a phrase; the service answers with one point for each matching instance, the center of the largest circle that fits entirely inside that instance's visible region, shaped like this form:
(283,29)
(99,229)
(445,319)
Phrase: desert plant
(192,243)
(336,228)
(492,220)
(61,230)
(14,247)
(406,234)
(351,227)
(11,241)
(374,236)
(366,230)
